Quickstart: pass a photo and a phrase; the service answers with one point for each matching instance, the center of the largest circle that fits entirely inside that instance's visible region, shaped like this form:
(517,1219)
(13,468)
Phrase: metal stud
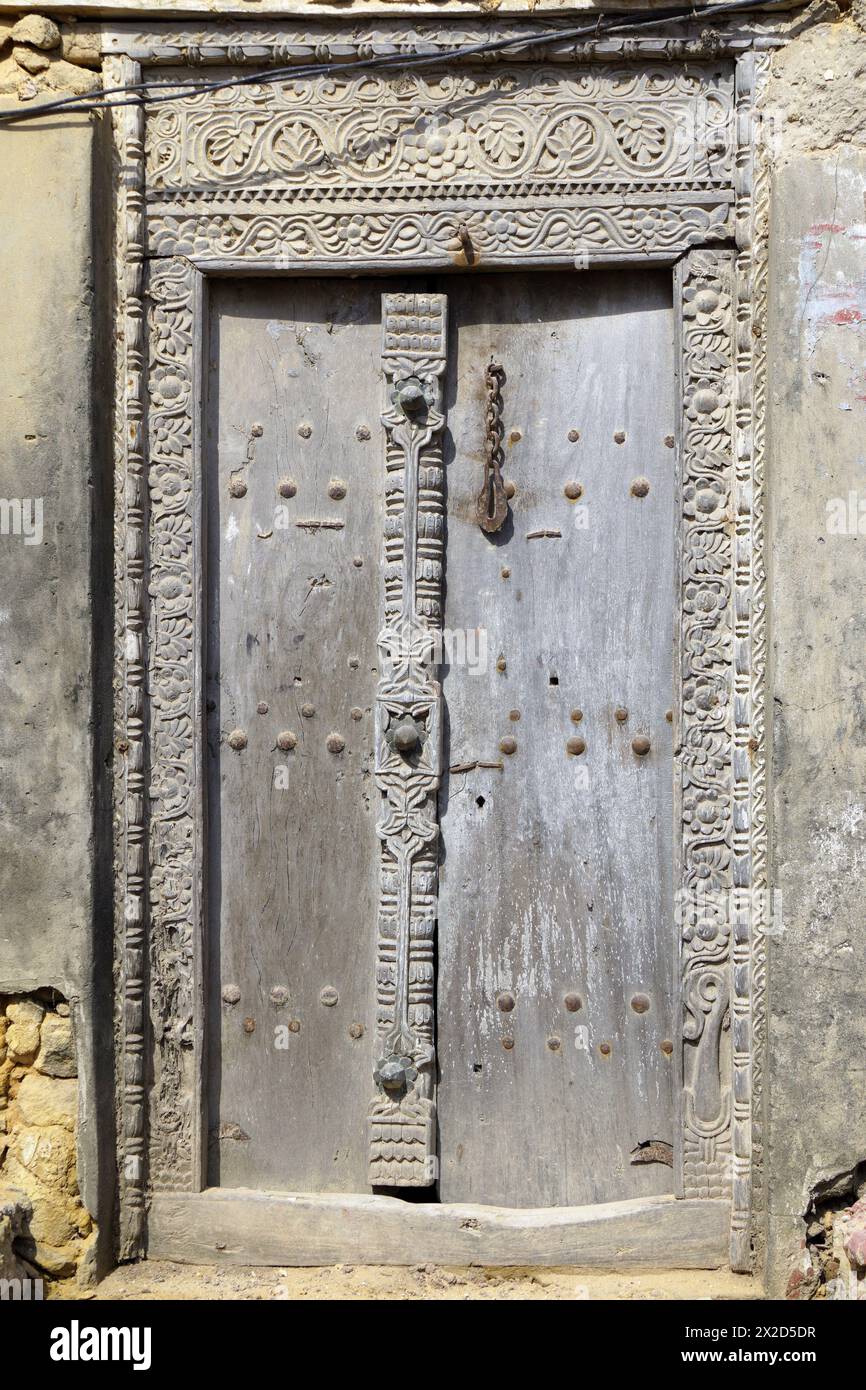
(573,1003)
(237,740)
(231,994)
(305,430)
(294,1025)
(286,741)
(669,716)
(554,1044)
(279,996)
(670,441)
(249,1025)
(640,1003)
(335,743)
(505,1002)
(508,745)
(619,437)
(666,1046)
(337,489)
(515,436)
(508,1044)
(514,715)
(308,711)
(501,664)
(237,488)
(640,745)
(620,715)
(640,487)
(573,436)
(328,996)
(356,713)
(362,433)
(576,716)
(287,487)
(573,491)
(575,746)
(356,1030)
(505,572)
(262,707)
(510,489)
(604,1049)
(358,562)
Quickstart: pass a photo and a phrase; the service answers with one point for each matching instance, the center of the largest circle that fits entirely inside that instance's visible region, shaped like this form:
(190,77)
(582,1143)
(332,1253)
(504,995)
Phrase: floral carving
(705,757)
(436,147)
(642,136)
(605,124)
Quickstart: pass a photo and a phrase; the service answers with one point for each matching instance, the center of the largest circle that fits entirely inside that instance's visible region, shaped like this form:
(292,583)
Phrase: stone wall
(55,932)
(37,55)
(53,1233)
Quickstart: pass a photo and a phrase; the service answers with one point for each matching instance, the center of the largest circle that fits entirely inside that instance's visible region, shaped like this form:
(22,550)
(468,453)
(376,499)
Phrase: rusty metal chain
(491,507)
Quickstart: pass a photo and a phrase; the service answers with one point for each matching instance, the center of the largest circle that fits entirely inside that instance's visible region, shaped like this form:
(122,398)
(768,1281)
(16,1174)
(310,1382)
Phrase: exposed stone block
(15,1212)
(80,45)
(25,1010)
(66,77)
(48,1154)
(22,1041)
(57,1052)
(48,1100)
(32,60)
(37,30)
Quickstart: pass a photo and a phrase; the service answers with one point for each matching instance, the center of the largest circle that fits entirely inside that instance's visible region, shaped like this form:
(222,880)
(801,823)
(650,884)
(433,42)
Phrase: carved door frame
(628,189)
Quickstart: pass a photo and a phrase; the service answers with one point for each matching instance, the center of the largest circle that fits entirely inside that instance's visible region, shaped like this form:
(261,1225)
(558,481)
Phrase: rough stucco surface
(45,333)
(50,931)
(817,453)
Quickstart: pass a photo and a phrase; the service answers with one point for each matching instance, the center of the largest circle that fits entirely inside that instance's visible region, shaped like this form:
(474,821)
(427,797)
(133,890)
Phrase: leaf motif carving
(571,140)
(297,148)
(644,140)
(227,148)
(503,143)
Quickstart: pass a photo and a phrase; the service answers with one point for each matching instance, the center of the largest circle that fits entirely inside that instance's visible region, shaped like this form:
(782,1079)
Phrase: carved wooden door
(439,662)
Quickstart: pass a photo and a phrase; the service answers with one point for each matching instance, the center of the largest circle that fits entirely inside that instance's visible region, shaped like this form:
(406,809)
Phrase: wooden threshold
(243,1227)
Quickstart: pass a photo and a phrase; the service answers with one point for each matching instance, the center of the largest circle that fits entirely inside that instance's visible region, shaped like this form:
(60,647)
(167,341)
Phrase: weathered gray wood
(557,868)
(235,1228)
(294,611)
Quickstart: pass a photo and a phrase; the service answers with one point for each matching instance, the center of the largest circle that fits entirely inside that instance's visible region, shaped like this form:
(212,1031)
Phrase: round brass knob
(640,745)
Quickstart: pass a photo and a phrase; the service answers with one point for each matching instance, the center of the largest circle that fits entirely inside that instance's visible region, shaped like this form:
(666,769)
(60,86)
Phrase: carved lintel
(408,743)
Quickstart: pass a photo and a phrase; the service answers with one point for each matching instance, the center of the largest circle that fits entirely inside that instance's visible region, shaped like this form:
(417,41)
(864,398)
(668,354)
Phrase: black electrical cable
(152,93)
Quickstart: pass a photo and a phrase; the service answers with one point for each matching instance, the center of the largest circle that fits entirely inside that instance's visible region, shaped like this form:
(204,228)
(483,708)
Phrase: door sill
(239,1226)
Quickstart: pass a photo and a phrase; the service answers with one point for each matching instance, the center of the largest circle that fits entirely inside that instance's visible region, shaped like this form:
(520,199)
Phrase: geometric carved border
(606,210)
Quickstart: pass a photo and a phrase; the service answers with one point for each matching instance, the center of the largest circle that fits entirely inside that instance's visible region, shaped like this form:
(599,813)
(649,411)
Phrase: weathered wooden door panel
(553,1000)
(555,940)
(295,506)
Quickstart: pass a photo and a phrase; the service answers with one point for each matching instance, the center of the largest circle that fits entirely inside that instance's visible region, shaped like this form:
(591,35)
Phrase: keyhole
(554,680)
(479,801)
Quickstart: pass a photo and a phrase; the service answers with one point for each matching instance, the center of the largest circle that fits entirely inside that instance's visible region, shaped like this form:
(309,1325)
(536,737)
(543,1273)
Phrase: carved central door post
(408,742)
